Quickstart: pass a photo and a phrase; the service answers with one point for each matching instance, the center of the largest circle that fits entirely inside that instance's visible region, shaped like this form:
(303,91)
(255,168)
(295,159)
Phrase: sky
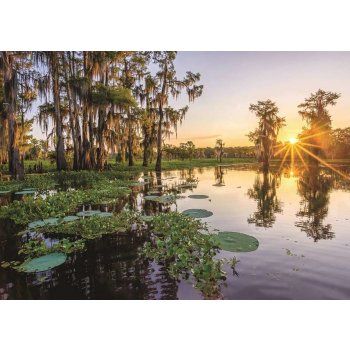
(234,80)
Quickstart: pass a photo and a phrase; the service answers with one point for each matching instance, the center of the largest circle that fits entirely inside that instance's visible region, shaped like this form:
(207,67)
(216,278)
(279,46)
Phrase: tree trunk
(72,121)
(92,141)
(85,157)
(16,167)
(159,141)
(146,147)
(130,142)
(60,152)
(100,139)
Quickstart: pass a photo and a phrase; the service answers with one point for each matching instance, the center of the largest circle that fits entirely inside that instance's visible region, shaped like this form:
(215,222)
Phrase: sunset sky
(233,80)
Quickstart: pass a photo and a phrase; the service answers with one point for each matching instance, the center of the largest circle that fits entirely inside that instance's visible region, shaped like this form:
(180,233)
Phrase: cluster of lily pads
(72,234)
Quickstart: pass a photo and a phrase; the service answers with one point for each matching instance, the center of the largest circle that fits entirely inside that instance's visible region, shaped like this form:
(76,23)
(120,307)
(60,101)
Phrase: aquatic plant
(60,204)
(236,242)
(37,247)
(179,243)
(94,226)
(197,213)
(43,263)
(198,196)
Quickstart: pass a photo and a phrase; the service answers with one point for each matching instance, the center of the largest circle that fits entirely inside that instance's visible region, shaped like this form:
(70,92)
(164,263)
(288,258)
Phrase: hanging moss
(43,263)
(197,213)
(236,242)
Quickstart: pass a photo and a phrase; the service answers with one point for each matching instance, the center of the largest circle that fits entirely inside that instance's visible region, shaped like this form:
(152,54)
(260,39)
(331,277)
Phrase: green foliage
(94,227)
(180,244)
(60,204)
(37,247)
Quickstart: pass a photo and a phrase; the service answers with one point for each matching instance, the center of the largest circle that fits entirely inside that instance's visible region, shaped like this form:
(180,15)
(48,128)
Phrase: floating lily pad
(41,223)
(70,218)
(188,185)
(153,193)
(29,189)
(23,193)
(198,196)
(219,185)
(197,213)
(44,263)
(4,192)
(89,213)
(237,242)
(105,214)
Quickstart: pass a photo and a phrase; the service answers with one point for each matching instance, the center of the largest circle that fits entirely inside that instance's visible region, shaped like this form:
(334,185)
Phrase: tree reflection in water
(264,193)
(219,176)
(314,186)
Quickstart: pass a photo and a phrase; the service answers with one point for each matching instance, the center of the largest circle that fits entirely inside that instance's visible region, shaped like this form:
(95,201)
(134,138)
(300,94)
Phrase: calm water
(301,219)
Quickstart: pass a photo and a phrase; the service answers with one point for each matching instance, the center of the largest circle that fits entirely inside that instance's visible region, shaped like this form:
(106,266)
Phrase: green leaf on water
(236,242)
(198,213)
(198,196)
(43,263)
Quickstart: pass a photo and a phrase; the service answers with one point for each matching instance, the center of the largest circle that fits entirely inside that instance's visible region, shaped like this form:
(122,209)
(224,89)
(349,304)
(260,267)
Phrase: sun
(293,140)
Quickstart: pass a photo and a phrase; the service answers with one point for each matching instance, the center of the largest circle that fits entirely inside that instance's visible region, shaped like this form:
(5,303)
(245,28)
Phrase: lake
(301,219)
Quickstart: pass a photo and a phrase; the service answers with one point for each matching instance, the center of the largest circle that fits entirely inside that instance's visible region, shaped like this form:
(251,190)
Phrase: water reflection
(265,194)
(219,176)
(313,186)
(112,268)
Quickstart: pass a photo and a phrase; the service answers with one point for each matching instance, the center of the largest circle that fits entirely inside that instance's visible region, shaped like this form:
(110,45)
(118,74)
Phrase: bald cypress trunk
(60,152)
(16,167)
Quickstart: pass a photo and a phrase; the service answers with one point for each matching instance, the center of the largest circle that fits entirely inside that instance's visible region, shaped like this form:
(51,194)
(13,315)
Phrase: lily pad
(29,189)
(198,213)
(89,213)
(104,214)
(198,196)
(236,242)
(70,218)
(219,185)
(153,193)
(188,185)
(44,263)
(41,223)
(23,193)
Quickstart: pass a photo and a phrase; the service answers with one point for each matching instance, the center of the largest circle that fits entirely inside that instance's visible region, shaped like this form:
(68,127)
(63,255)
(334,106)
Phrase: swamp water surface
(301,219)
